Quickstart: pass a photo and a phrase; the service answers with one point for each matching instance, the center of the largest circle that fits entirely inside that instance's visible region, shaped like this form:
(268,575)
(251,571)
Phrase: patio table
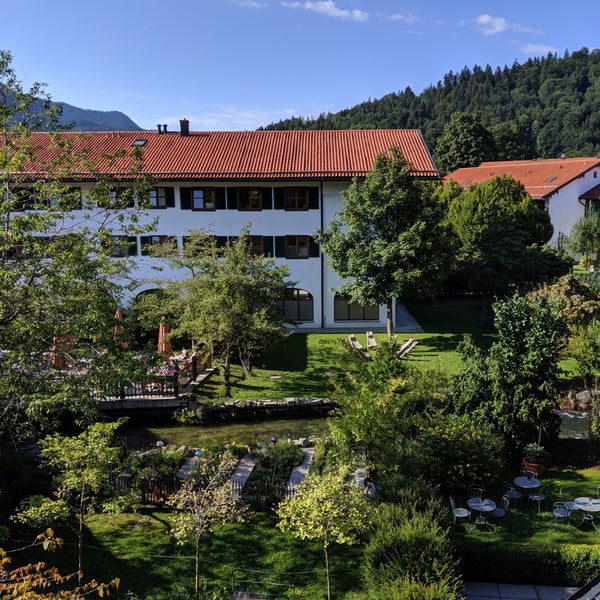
(527,483)
(483,506)
(589,506)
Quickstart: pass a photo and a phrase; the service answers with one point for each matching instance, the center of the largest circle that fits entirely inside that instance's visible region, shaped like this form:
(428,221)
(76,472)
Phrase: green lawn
(137,547)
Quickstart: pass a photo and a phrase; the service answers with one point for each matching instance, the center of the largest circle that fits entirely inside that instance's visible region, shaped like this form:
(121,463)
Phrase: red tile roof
(541,178)
(250,155)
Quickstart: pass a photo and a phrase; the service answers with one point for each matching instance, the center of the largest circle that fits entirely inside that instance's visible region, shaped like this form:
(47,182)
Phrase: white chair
(537,496)
(568,503)
(561,513)
(476,491)
(371,341)
(512,492)
(500,511)
(529,473)
(458,512)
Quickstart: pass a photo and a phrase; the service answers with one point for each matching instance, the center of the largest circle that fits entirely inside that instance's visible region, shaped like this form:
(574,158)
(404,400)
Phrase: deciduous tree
(390,239)
(229,299)
(205,500)
(59,285)
(84,468)
(327,509)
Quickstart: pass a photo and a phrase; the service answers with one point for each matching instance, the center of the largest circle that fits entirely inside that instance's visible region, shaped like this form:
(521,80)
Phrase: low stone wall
(266,408)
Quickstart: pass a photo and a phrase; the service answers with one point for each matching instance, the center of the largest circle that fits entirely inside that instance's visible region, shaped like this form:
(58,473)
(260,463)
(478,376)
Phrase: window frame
(250,199)
(302,251)
(298,298)
(296,198)
(350,306)
(204,190)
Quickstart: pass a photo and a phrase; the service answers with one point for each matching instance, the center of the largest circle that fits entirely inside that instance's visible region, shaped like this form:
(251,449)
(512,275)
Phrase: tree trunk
(390,318)
(227,376)
(197,570)
(327,572)
(80,539)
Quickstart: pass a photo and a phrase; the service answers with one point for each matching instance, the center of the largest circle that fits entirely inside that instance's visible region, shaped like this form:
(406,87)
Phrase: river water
(573,425)
(139,435)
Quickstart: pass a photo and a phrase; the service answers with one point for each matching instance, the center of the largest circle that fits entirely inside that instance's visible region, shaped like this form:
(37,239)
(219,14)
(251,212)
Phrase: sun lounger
(371,341)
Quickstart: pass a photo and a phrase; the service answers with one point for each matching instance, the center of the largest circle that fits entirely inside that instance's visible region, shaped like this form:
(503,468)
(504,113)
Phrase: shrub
(410,545)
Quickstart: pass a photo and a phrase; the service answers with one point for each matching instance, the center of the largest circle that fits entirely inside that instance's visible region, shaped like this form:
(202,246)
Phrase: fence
(159,386)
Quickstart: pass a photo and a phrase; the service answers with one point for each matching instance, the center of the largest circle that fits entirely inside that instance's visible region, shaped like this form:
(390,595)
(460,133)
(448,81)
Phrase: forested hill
(83,119)
(555,103)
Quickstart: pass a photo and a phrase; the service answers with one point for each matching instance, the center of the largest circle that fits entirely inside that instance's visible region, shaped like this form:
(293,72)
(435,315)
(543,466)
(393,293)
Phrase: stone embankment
(266,408)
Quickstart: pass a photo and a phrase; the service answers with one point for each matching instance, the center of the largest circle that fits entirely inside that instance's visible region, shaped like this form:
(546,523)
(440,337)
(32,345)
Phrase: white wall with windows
(282,220)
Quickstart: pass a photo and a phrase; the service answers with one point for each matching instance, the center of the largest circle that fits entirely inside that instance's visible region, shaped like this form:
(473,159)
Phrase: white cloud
(490,25)
(328,7)
(538,49)
(406,17)
(233,118)
(250,4)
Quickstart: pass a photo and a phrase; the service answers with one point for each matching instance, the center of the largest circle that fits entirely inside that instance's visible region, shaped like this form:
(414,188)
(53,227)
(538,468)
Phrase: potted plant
(536,457)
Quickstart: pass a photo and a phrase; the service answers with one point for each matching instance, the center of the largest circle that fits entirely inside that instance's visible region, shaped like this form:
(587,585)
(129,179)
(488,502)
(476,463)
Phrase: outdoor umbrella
(119,329)
(164,344)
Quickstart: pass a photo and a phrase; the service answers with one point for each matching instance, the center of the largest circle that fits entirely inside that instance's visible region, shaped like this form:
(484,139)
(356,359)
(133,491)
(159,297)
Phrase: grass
(307,364)
(523,524)
(137,547)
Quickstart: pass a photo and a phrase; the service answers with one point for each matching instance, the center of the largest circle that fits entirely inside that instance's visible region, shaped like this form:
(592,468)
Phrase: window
(346,310)
(123,245)
(296,246)
(203,199)
(152,240)
(158,198)
(249,199)
(296,198)
(255,242)
(297,305)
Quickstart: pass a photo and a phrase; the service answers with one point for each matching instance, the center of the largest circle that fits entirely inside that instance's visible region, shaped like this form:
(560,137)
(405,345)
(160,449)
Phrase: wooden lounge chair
(406,347)
(371,341)
(354,343)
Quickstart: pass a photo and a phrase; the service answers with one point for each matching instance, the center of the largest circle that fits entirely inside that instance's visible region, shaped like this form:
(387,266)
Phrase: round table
(588,505)
(527,483)
(483,506)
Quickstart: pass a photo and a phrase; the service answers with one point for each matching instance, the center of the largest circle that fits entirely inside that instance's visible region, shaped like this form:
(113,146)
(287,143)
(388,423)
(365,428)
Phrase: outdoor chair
(568,503)
(529,473)
(371,341)
(476,491)
(538,496)
(500,511)
(354,343)
(458,512)
(598,490)
(512,492)
(561,513)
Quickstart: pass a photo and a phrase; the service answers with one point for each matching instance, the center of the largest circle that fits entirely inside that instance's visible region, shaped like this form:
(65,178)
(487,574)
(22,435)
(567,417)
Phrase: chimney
(184,126)
(165,128)
(159,128)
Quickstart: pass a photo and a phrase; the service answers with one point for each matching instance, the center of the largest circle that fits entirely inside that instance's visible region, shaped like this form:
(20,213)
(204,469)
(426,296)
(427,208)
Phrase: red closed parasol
(164,344)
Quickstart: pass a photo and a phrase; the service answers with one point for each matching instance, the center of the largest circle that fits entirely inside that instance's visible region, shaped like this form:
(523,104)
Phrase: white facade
(309,273)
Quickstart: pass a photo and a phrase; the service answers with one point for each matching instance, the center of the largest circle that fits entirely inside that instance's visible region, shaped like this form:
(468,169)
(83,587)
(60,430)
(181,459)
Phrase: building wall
(311,274)
(565,208)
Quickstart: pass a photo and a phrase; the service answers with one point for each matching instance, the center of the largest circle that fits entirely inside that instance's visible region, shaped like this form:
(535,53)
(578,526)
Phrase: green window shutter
(232,198)
(220,199)
(313,197)
(280,246)
(313,248)
(268,245)
(185,195)
(170,197)
(279,198)
(144,241)
(267,198)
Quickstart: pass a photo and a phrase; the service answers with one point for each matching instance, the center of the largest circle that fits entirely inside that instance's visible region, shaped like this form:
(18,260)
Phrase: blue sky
(240,64)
